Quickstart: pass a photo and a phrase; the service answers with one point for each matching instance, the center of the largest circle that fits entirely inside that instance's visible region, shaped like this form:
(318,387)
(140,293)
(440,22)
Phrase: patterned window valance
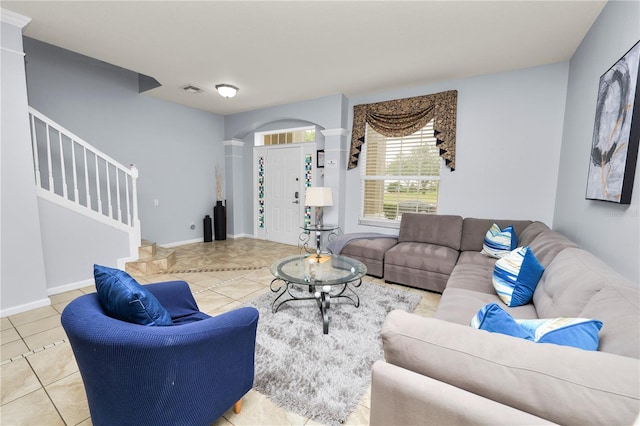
(402,117)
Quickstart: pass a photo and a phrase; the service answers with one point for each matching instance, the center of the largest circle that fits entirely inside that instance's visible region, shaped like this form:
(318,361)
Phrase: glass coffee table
(319,278)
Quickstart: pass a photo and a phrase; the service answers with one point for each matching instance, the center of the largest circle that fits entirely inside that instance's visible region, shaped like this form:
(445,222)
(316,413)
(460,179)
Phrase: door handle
(296,201)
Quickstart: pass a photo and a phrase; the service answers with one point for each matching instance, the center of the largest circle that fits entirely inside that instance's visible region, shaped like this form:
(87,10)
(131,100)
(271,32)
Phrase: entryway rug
(316,375)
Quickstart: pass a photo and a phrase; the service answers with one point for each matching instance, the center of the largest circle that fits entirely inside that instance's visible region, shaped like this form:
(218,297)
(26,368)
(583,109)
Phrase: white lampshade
(318,196)
(227,90)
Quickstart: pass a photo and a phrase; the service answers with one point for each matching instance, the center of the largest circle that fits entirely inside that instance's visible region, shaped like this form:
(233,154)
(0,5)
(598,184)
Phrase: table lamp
(318,197)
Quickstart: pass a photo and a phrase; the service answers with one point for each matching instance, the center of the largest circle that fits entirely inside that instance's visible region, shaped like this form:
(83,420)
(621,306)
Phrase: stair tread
(159,260)
(161,253)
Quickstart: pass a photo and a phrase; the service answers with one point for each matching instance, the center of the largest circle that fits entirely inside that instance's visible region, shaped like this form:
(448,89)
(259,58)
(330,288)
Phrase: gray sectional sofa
(442,371)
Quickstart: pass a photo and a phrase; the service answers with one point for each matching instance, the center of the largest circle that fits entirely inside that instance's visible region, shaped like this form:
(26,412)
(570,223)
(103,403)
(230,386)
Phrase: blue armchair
(186,374)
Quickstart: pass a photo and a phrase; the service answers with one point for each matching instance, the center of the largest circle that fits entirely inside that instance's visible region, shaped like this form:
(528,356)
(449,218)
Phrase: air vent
(192,89)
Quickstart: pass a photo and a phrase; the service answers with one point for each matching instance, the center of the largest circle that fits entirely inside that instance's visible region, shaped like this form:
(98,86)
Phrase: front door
(284,204)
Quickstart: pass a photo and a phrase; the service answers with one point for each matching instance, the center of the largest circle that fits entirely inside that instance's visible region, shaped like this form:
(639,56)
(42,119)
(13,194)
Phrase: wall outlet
(156,202)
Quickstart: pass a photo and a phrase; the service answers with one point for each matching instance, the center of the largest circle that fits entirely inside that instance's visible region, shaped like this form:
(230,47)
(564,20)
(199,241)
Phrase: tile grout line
(34,351)
(211,287)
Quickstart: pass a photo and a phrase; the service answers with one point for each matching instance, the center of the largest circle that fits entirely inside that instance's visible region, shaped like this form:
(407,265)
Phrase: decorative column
(22,271)
(336,149)
(234,186)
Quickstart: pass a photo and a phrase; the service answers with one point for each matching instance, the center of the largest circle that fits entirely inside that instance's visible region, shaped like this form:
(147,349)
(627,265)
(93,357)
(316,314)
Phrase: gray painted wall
(22,274)
(72,243)
(174,147)
(508,140)
(609,230)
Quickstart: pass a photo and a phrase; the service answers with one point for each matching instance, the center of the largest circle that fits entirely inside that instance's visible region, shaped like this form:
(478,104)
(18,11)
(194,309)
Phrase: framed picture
(616,132)
(320,158)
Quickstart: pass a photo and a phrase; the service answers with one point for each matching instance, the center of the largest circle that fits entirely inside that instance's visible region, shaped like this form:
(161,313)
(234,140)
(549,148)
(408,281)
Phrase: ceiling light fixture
(226,90)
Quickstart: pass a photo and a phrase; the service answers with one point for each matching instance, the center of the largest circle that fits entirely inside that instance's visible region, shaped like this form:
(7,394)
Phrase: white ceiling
(279,52)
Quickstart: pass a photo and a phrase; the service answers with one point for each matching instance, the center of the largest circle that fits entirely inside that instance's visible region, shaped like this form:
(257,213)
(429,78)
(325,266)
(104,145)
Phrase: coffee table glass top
(331,269)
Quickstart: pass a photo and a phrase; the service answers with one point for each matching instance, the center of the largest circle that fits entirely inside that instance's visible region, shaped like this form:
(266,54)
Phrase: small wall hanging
(320,158)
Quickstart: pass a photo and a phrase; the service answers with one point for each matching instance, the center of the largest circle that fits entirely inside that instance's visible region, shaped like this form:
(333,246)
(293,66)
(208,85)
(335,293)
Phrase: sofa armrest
(558,383)
(402,397)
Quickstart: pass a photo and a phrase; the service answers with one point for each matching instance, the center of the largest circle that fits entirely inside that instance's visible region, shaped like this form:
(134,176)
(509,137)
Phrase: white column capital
(335,132)
(233,142)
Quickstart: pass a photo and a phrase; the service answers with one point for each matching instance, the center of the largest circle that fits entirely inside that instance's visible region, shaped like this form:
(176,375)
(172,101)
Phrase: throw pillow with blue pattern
(516,276)
(580,333)
(499,242)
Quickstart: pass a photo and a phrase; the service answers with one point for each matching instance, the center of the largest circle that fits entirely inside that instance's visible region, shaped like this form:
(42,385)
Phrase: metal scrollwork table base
(319,278)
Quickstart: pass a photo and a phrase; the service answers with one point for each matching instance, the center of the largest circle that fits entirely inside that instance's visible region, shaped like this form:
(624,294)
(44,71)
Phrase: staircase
(152,259)
(73,174)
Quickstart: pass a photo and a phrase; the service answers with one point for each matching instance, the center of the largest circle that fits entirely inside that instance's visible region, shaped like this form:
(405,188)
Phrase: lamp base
(319,216)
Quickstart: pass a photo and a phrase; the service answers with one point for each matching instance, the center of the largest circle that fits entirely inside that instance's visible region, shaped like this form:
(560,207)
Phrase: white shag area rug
(323,376)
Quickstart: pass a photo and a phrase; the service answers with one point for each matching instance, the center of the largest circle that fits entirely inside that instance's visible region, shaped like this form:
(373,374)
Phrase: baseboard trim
(181,243)
(68,287)
(200,240)
(25,307)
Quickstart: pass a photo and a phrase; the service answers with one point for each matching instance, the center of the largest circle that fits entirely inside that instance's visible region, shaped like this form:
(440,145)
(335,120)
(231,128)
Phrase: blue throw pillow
(123,298)
(577,332)
(516,276)
(499,242)
(493,318)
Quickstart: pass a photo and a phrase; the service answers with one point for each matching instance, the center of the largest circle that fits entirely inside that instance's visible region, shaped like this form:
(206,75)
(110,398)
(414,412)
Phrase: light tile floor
(40,381)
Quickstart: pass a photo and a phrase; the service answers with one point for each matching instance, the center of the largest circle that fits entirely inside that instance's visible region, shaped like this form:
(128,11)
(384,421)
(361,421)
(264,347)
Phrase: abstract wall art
(616,132)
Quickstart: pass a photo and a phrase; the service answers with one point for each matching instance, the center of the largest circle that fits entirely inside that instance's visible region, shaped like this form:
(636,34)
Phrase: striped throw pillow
(516,275)
(577,332)
(499,242)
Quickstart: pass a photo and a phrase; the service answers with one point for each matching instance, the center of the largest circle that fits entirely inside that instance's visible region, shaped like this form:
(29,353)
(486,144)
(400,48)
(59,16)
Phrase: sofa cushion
(476,277)
(424,256)
(578,284)
(476,258)
(516,276)
(474,230)
(123,298)
(548,244)
(458,305)
(617,307)
(443,230)
(570,282)
(530,232)
(370,251)
(370,248)
(421,265)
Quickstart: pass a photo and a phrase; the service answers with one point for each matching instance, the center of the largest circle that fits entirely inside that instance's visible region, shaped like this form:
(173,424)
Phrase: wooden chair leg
(237,407)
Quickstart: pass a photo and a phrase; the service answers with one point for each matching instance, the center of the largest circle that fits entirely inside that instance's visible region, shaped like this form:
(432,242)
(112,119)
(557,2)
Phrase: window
(288,136)
(400,175)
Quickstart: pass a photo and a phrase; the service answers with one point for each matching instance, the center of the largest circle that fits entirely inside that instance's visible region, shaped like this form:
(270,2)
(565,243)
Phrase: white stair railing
(71,172)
